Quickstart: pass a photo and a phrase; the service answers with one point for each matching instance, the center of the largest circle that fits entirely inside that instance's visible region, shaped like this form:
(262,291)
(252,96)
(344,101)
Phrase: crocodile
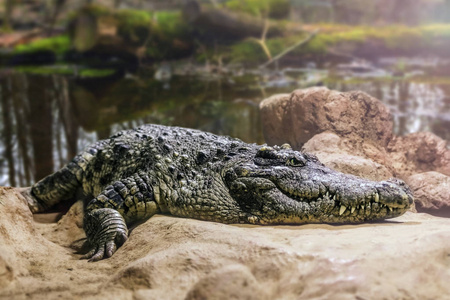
(194,174)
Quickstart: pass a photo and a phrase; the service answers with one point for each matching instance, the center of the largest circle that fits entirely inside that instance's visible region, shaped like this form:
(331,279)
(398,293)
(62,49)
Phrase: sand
(175,258)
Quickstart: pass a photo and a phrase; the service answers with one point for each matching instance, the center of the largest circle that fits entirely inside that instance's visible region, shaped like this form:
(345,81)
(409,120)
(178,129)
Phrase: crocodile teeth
(342,210)
(377,197)
(353,209)
(390,208)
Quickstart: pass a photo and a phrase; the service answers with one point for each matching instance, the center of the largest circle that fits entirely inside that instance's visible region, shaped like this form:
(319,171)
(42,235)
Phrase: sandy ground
(174,258)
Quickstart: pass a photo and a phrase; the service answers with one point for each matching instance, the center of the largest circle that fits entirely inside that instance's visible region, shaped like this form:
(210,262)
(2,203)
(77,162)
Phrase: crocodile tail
(59,186)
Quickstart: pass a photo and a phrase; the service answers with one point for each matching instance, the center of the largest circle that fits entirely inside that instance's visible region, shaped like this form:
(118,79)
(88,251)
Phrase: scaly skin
(188,173)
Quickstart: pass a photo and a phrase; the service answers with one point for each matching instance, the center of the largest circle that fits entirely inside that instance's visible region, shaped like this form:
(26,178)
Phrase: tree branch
(286,51)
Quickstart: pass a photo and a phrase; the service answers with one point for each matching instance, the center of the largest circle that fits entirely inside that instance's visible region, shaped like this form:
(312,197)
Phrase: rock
(431,192)
(297,117)
(275,109)
(176,258)
(419,152)
(338,153)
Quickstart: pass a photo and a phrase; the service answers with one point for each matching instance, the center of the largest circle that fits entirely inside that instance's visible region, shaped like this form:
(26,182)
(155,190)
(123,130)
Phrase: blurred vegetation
(91,73)
(396,38)
(351,27)
(132,26)
(170,38)
(62,69)
(374,12)
(277,9)
(46,70)
(57,44)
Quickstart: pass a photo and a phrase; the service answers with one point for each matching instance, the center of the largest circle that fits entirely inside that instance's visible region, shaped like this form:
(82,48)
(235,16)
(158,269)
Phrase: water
(46,120)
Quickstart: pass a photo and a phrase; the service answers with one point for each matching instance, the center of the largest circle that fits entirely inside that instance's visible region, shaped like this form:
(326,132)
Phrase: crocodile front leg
(106,231)
(106,217)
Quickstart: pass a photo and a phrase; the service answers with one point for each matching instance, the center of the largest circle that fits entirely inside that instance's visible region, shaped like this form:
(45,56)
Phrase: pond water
(47,119)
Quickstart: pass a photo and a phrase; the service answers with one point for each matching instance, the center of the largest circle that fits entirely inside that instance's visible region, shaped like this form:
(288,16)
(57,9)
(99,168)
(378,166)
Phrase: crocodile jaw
(283,195)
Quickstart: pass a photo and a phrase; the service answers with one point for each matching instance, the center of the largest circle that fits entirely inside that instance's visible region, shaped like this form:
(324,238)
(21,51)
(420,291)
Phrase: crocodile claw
(106,231)
(106,248)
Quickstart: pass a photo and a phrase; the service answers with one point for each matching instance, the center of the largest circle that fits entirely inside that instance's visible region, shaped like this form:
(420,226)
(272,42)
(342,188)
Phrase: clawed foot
(106,231)
(106,248)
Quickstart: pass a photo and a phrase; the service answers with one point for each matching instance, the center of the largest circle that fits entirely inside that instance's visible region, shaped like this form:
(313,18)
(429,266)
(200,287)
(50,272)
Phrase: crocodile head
(280,185)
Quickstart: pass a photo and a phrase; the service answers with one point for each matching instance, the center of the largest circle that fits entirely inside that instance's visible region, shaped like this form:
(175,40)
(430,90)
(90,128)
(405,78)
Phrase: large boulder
(338,153)
(295,118)
(177,258)
(431,192)
(419,152)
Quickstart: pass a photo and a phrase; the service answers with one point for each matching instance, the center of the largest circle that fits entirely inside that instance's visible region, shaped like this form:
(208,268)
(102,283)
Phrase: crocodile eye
(296,162)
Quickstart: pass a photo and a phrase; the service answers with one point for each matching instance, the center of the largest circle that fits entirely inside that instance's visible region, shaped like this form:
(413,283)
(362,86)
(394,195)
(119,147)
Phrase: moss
(46,70)
(431,80)
(250,51)
(170,22)
(133,25)
(164,33)
(91,73)
(132,17)
(261,8)
(397,38)
(57,44)
(245,51)
(170,37)
(65,70)
(436,32)
(97,9)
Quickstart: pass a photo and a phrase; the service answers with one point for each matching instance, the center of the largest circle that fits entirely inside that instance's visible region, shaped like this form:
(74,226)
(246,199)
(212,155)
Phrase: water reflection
(46,120)
(415,106)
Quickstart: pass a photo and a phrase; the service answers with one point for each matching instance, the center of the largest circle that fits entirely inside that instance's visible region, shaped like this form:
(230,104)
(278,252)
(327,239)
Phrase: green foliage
(246,51)
(91,73)
(441,80)
(398,37)
(6,28)
(65,70)
(97,10)
(46,70)
(261,8)
(170,23)
(133,25)
(57,44)
(170,36)
(132,18)
(436,30)
(164,34)
(400,66)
